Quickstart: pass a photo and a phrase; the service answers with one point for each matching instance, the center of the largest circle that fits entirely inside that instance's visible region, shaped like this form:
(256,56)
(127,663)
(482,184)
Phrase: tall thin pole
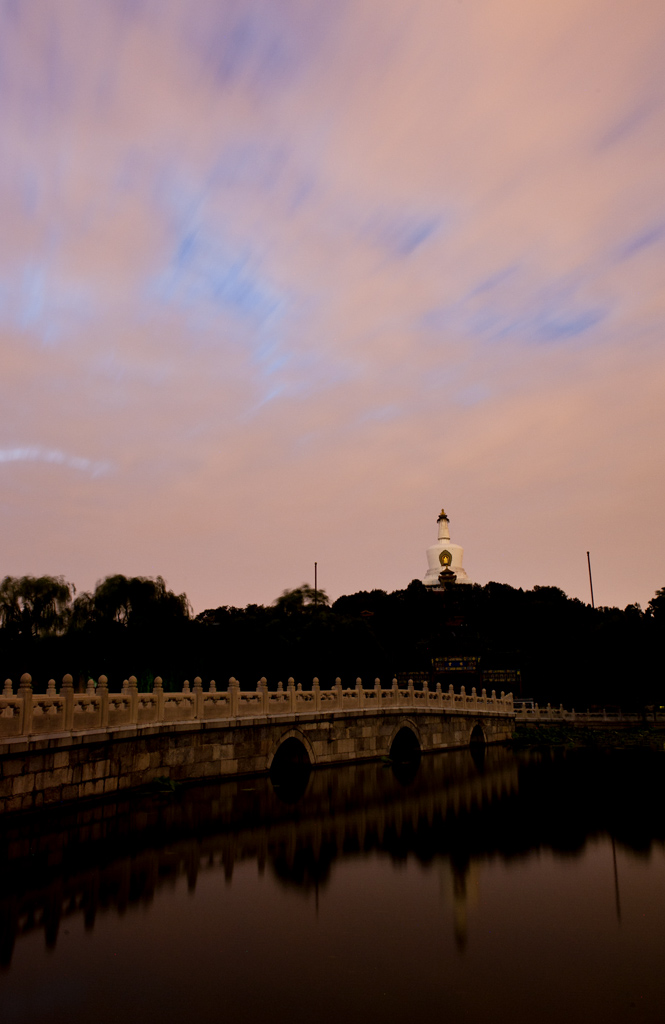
(316,585)
(588,558)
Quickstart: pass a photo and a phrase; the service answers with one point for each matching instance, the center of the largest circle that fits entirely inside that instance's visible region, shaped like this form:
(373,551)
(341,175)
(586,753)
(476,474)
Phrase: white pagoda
(444,559)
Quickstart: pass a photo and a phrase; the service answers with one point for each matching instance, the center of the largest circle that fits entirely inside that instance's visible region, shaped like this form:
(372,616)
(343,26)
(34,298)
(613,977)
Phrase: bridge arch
(405,737)
(291,749)
(477,737)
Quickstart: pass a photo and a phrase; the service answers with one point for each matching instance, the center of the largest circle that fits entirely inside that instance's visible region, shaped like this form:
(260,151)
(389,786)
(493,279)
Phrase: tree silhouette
(294,601)
(35,605)
(136,602)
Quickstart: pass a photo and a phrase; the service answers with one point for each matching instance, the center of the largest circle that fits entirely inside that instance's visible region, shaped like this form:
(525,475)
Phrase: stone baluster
(158,694)
(483,696)
(474,696)
(425,692)
(340,693)
(360,693)
(25,693)
(316,690)
(291,690)
(377,691)
(394,700)
(67,691)
(410,698)
(212,687)
(50,688)
(234,688)
(439,693)
(90,688)
(133,691)
(8,688)
(198,697)
(186,687)
(124,690)
(462,693)
(451,694)
(103,694)
(262,686)
(494,696)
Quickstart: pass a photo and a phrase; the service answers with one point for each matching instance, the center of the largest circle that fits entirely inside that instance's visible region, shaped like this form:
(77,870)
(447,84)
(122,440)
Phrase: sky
(279,279)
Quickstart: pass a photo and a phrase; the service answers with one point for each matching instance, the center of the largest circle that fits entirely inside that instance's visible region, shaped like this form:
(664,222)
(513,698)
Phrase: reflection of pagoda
(444,559)
(460,886)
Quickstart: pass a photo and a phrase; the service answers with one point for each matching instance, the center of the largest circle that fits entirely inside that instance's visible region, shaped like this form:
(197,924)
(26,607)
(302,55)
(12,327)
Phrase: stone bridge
(62,746)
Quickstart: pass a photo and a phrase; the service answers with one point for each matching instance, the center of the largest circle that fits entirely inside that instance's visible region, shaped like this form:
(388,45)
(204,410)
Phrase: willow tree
(35,605)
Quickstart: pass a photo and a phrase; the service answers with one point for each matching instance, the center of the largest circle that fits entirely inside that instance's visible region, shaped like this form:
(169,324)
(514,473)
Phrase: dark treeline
(566,651)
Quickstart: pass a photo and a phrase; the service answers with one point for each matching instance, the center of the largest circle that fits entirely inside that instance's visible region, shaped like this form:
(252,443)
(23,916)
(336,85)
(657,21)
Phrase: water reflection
(452,812)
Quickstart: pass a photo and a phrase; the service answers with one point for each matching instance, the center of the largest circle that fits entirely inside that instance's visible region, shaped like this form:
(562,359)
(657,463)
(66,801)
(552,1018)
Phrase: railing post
(198,697)
(316,690)
(377,691)
(133,691)
(474,696)
(158,691)
(451,694)
(483,696)
(234,687)
(395,693)
(410,699)
(291,690)
(8,688)
(67,691)
(25,692)
(360,693)
(263,687)
(425,692)
(340,693)
(439,693)
(103,694)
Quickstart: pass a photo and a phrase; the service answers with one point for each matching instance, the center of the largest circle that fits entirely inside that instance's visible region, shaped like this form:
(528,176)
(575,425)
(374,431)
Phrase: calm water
(518,887)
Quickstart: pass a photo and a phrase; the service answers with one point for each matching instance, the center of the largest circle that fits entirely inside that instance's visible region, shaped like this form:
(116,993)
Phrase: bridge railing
(548,714)
(24,713)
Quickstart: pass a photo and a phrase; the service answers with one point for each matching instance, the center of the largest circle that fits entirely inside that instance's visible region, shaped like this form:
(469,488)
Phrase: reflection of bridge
(62,746)
(90,860)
